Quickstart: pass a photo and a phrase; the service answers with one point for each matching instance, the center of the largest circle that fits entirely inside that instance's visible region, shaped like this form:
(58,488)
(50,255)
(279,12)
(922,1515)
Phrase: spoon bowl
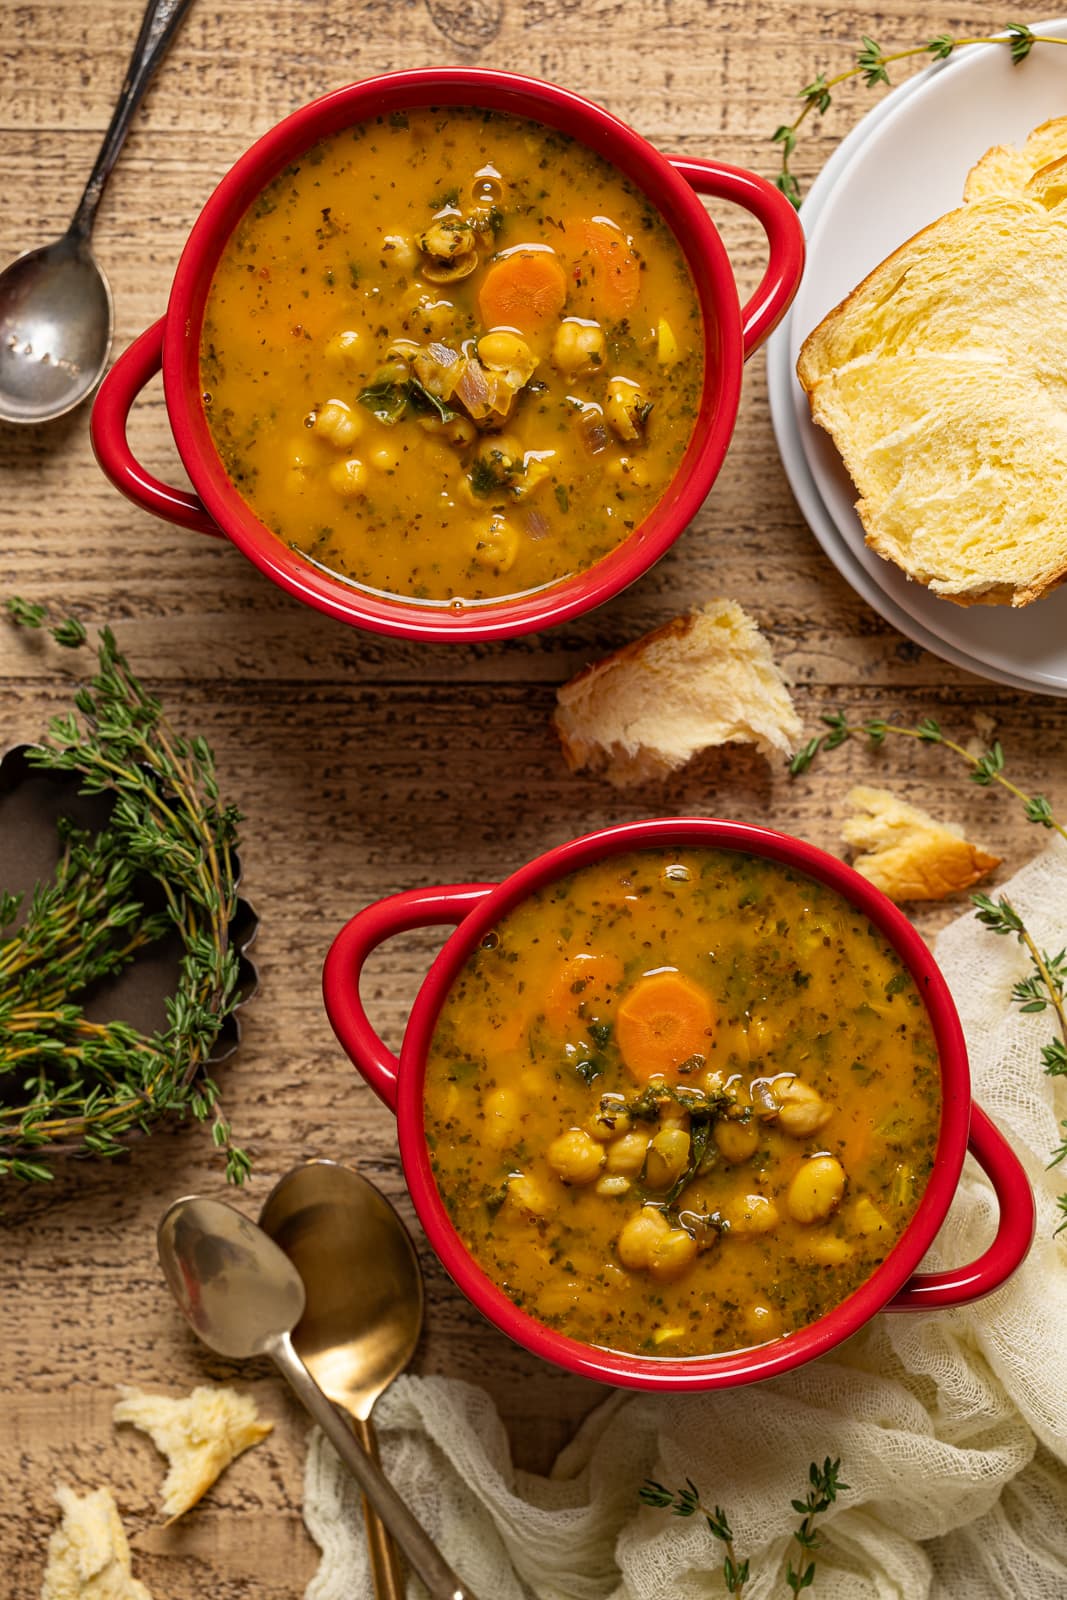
(239,1291)
(56,321)
(243,1296)
(56,315)
(361,1276)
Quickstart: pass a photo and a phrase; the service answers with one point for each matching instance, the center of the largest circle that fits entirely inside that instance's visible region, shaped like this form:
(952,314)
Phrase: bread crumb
(199,1434)
(88,1556)
(700,680)
(907,853)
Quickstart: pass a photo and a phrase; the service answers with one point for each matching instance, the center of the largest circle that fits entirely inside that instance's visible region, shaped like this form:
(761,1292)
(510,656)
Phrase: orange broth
(682,1103)
(451,356)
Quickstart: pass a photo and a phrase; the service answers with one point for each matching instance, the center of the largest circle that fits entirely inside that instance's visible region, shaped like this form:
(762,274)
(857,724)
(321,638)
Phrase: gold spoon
(243,1296)
(363,1314)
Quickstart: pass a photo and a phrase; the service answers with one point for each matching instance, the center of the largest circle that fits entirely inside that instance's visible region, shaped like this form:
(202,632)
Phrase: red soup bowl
(731,333)
(476,909)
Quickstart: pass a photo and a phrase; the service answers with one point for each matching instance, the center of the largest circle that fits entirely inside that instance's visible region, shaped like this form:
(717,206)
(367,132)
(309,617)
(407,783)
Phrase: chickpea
(640,1236)
(752,1213)
(500,457)
(666,344)
(338,423)
(579,346)
(497,545)
(612,1184)
(528,1195)
(736,1140)
(575,1157)
(344,348)
(457,430)
(504,351)
(829,1251)
(804,1111)
(446,238)
(815,1189)
(867,1218)
(631,471)
(624,408)
(609,1124)
(668,1157)
(763,1322)
(502,1118)
(385,459)
(403,350)
(398,251)
(673,1255)
(626,1154)
(348,478)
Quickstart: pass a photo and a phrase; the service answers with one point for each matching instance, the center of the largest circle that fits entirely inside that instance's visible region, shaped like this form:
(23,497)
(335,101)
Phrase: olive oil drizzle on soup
(682,1103)
(451,356)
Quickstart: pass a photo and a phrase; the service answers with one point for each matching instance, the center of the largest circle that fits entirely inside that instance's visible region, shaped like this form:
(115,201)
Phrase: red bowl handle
(926,1291)
(785,237)
(111,410)
(346,957)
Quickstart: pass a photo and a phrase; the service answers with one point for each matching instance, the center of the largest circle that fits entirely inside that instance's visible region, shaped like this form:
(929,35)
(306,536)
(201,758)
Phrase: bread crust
(704,679)
(906,852)
(892,374)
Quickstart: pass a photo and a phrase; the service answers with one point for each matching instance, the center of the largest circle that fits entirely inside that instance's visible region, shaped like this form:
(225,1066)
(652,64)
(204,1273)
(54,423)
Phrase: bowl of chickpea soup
(452,354)
(682,1103)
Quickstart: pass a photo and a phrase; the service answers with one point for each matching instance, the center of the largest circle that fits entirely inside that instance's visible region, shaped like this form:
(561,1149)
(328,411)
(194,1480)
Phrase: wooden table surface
(366,765)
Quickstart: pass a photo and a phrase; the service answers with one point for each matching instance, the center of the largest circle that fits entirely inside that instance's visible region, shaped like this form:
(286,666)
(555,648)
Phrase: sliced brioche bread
(200,1434)
(907,853)
(704,679)
(943,381)
(1005,170)
(88,1556)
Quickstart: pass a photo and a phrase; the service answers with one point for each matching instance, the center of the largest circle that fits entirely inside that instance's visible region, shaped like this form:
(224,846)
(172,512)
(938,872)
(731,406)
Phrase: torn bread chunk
(908,854)
(200,1434)
(88,1556)
(704,679)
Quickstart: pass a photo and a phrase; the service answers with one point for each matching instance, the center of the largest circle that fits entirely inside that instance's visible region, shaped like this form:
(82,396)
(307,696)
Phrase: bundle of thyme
(872,64)
(1045,989)
(824,1487)
(67,1081)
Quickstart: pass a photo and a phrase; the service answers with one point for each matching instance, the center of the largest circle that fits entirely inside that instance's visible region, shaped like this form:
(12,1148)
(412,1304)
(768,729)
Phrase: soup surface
(451,356)
(682,1103)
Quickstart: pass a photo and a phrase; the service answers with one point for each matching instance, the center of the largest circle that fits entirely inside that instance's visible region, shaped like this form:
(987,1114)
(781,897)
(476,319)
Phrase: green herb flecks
(64,1079)
(390,401)
(872,64)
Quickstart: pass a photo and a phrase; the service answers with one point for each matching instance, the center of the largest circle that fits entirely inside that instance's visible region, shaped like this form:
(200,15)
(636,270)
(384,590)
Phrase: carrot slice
(607,269)
(665,1019)
(581,989)
(523,290)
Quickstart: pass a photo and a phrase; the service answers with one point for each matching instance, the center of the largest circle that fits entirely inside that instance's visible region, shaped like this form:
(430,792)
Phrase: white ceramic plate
(901,167)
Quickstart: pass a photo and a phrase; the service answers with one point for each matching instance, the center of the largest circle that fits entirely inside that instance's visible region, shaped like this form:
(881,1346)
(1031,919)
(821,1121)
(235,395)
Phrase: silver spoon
(363,1312)
(56,315)
(242,1295)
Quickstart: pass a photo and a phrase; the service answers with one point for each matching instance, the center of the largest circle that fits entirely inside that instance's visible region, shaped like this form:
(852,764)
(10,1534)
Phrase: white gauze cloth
(951,1426)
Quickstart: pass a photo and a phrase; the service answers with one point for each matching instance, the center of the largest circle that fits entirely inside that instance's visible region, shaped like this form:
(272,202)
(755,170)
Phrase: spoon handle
(415,1542)
(161,22)
(384,1562)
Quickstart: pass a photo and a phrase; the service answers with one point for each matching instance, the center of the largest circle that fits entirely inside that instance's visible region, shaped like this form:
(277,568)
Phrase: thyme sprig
(66,1080)
(1043,990)
(824,1487)
(872,64)
(986,768)
(1046,986)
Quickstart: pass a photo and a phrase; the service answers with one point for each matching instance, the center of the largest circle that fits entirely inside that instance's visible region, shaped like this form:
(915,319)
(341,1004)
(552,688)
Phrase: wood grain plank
(367,765)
